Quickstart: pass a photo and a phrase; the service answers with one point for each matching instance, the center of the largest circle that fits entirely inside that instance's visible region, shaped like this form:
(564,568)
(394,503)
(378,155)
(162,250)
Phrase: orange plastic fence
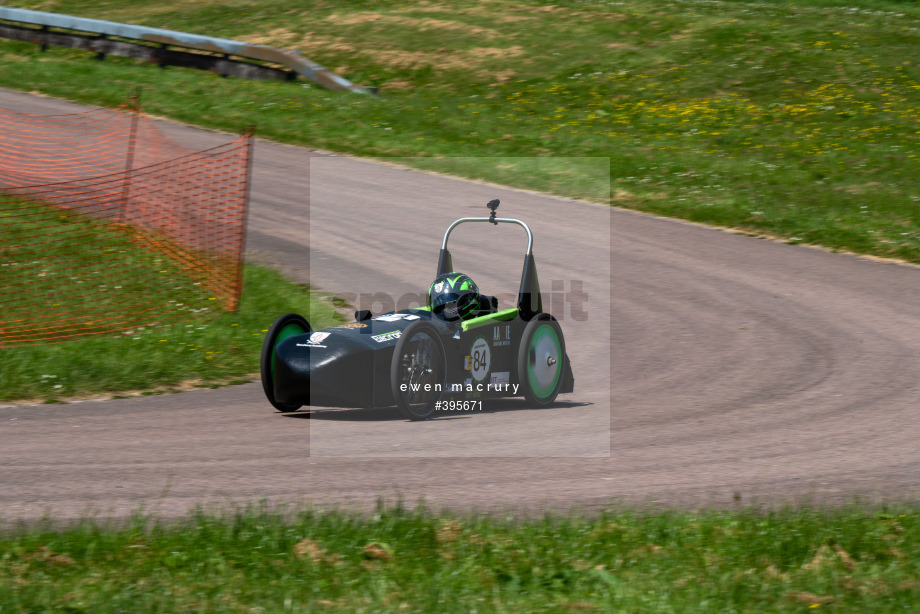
(107,225)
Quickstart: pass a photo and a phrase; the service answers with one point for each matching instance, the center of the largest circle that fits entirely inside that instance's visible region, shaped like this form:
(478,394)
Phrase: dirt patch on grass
(478,60)
(355,18)
(137,13)
(279,37)
(286,39)
(427,24)
(472,60)
(397,85)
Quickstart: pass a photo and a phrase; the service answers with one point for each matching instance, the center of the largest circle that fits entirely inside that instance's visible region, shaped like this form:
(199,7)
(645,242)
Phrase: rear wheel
(541,360)
(417,373)
(287,326)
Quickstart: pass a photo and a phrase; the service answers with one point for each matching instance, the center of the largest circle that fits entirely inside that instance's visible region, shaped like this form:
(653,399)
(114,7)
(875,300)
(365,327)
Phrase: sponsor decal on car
(501,335)
(390,336)
(501,378)
(396,317)
(352,325)
(315,341)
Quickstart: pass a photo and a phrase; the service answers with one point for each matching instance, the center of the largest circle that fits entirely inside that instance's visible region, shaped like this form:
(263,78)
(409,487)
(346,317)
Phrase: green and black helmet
(453,296)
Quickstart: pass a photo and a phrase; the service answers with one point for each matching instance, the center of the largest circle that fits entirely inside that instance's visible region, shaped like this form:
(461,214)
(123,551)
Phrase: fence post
(250,139)
(129,158)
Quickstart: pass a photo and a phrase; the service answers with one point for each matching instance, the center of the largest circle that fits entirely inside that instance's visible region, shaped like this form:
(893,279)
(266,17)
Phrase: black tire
(418,360)
(286,326)
(541,360)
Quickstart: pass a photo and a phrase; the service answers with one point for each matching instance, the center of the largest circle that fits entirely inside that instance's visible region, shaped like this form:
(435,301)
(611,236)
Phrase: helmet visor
(443,299)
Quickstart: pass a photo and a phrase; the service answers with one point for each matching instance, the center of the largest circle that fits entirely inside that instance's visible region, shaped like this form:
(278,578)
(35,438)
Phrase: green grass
(61,269)
(412,560)
(196,350)
(791,119)
(66,274)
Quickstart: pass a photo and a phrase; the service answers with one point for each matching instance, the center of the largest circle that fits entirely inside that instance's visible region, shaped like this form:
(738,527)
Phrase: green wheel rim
(542,375)
(288,331)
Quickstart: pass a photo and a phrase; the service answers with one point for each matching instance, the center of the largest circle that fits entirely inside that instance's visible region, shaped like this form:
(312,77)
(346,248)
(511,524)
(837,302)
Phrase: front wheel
(288,325)
(541,360)
(418,371)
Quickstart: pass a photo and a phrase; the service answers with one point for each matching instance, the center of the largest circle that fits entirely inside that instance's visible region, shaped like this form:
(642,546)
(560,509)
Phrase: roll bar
(530,301)
(494,220)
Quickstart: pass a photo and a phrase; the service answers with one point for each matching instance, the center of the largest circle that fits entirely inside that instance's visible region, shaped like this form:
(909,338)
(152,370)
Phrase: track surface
(711,368)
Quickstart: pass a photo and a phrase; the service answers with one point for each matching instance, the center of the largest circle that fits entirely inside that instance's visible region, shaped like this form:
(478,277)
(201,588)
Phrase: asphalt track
(712,369)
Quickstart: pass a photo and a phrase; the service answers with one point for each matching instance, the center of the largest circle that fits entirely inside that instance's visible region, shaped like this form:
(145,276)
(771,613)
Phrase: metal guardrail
(212,54)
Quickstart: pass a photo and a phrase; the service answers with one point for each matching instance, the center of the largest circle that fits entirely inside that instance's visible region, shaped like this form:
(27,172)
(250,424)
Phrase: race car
(452,353)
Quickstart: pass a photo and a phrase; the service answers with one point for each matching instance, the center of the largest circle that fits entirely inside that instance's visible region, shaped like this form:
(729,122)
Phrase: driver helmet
(453,296)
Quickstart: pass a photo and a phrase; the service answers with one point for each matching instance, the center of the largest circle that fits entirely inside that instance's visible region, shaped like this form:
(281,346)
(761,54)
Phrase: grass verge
(412,560)
(202,351)
(67,274)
